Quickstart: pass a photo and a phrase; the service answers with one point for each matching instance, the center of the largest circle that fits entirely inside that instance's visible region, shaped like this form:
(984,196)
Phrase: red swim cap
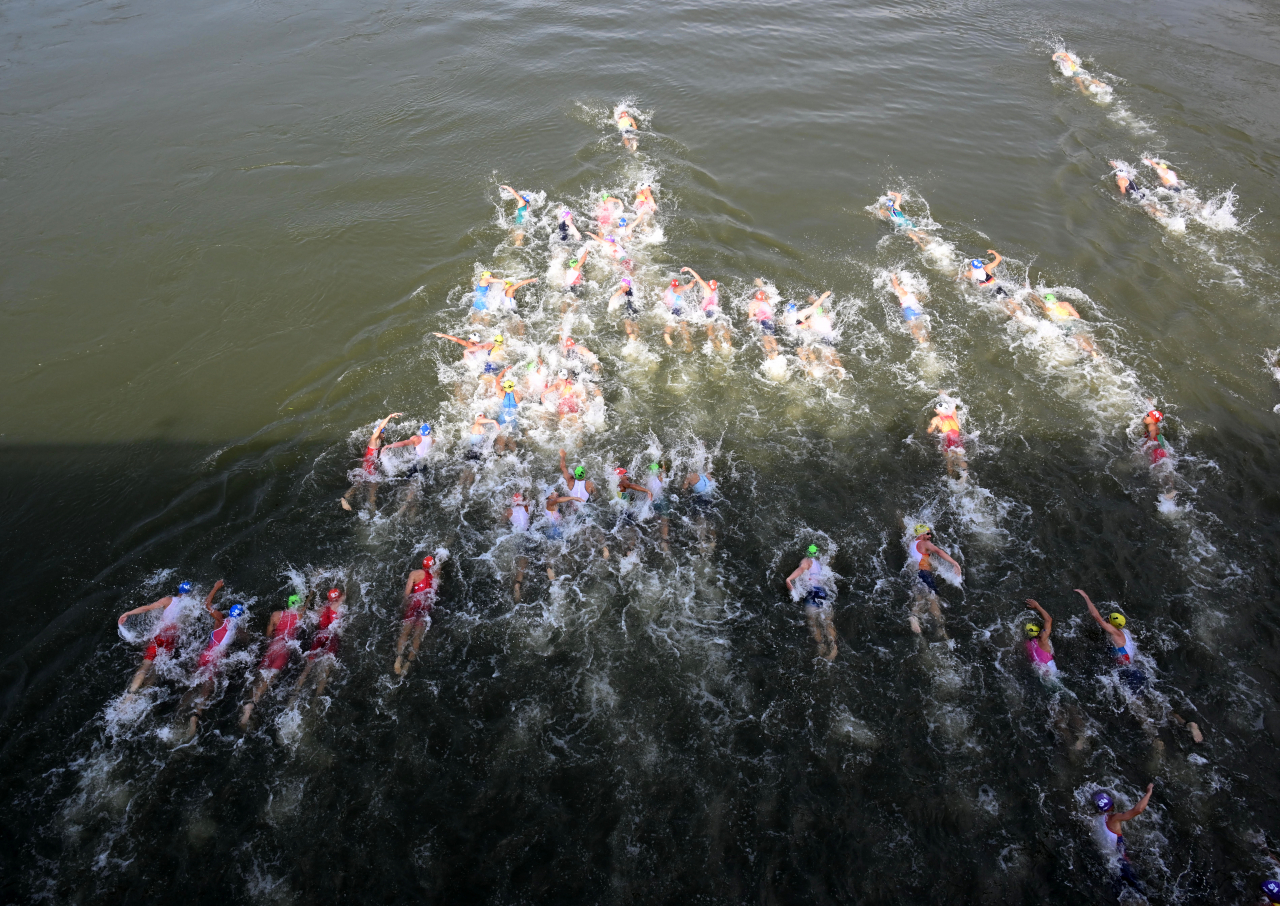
(428,562)
(334,594)
(619,471)
(675,282)
(1155,415)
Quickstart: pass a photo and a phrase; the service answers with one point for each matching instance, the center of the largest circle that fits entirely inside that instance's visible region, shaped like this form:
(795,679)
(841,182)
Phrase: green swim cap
(1050,297)
(294,601)
(813,549)
(579,472)
(654,467)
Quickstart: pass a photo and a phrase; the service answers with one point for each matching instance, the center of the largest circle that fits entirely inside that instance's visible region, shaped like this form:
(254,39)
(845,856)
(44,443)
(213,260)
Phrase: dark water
(229,234)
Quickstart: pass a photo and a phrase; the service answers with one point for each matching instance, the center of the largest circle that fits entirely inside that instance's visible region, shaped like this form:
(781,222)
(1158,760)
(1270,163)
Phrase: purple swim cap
(1271,888)
(1103,802)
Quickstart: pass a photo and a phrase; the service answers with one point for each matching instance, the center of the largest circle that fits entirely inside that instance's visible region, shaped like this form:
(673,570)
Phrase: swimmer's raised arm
(1114,634)
(445,336)
(519,283)
(804,562)
(701,282)
(208,601)
(897,287)
(1137,809)
(512,191)
(1044,615)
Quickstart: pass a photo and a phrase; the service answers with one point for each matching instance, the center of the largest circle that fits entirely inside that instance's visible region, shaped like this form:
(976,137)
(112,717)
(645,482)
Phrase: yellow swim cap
(1032,629)
(508,385)
(486,274)
(1116,620)
(920,529)
(497,341)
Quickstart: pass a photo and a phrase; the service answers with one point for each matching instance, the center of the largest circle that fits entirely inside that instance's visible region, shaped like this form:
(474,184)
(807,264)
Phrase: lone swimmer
(165,639)
(626,124)
(419,600)
(1067,62)
(920,552)
(522,214)
(817,609)
(1039,648)
(890,210)
(1123,648)
(1111,833)
(369,467)
(282,629)
(912,311)
(324,644)
(947,425)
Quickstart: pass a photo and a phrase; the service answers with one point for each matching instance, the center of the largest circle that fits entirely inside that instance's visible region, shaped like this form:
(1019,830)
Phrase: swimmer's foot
(667,338)
(245,715)
(915,624)
(398,668)
(346,506)
(515,592)
(605,550)
(1196,736)
(551,576)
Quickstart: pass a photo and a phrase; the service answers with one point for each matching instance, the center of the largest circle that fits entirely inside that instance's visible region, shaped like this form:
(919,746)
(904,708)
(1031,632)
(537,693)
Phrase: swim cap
(508,386)
(428,562)
(236,611)
(517,497)
(424,430)
(1102,802)
(654,467)
(977,264)
(184,588)
(620,472)
(713,284)
(813,549)
(761,294)
(921,529)
(334,594)
(1032,629)
(1117,620)
(1050,297)
(497,340)
(294,601)
(508,282)
(562,374)
(579,472)
(573,262)
(568,341)
(675,282)
(1271,888)
(622,221)
(486,274)
(626,281)
(1155,415)
(474,338)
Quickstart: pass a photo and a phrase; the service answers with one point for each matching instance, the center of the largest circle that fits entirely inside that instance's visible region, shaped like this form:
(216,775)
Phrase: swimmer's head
(976,264)
(1103,802)
(498,340)
(654,467)
(236,611)
(579,473)
(566,214)
(184,588)
(605,196)
(1032,630)
(626,281)
(334,594)
(508,385)
(761,295)
(622,221)
(1271,890)
(480,415)
(294,601)
(713,284)
(921,529)
(674,282)
(568,342)
(620,472)
(813,550)
(474,338)
(946,409)
(517,497)
(1155,415)
(424,430)
(1117,620)
(1050,297)
(573,262)
(486,274)
(428,562)
(562,374)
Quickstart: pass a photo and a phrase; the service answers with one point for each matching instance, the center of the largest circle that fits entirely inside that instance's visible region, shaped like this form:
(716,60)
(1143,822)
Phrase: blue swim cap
(622,221)
(1102,802)
(976,264)
(236,611)
(184,588)
(1271,888)
(424,430)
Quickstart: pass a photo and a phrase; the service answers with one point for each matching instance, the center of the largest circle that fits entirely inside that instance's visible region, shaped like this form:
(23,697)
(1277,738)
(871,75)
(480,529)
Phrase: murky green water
(229,235)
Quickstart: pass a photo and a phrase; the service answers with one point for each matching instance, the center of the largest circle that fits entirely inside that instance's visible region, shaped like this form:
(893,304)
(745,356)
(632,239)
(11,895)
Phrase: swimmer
(369,465)
(422,443)
(1157,446)
(711,311)
(1068,63)
(609,211)
(920,552)
(573,268)
(889,210)
(577,354)
(656,485)
(418,601)
(626,293)
(486,290)
(565,230)
(522,213)
(324,645)
(509,288)
(760,310)
(702,500)
(1089,85)
(1060,312)
(224,633)
(1111,835)
(611,243)
(629,493)
(817,609)
(1039,648)
(645,204)
(282,629)
(626,124)
(507,410)
(673,299)
(580,489)
(474,449)
(474,352)
(912,311)
(165,639)
(517,515)
(1123,648)
(551,512)
(1126,180)
(1271,892)
(947,426)
(983,273)
(1168,178)
(816,319)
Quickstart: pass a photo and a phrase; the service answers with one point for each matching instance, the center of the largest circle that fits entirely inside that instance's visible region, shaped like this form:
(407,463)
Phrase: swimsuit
(219,641)
(520,518)
(817,594)
(631,303)
(673,301)
(166,637)
(370,462)
(711,304)
(1041,659)
(924,575)
(277,655)
(326,640)
(951,436)
(1115,842)
(911,307)
(579,490)
(507,414)
(419,609)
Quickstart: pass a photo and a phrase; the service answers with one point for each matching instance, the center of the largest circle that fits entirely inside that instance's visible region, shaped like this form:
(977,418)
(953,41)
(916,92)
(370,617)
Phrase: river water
(230,233)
